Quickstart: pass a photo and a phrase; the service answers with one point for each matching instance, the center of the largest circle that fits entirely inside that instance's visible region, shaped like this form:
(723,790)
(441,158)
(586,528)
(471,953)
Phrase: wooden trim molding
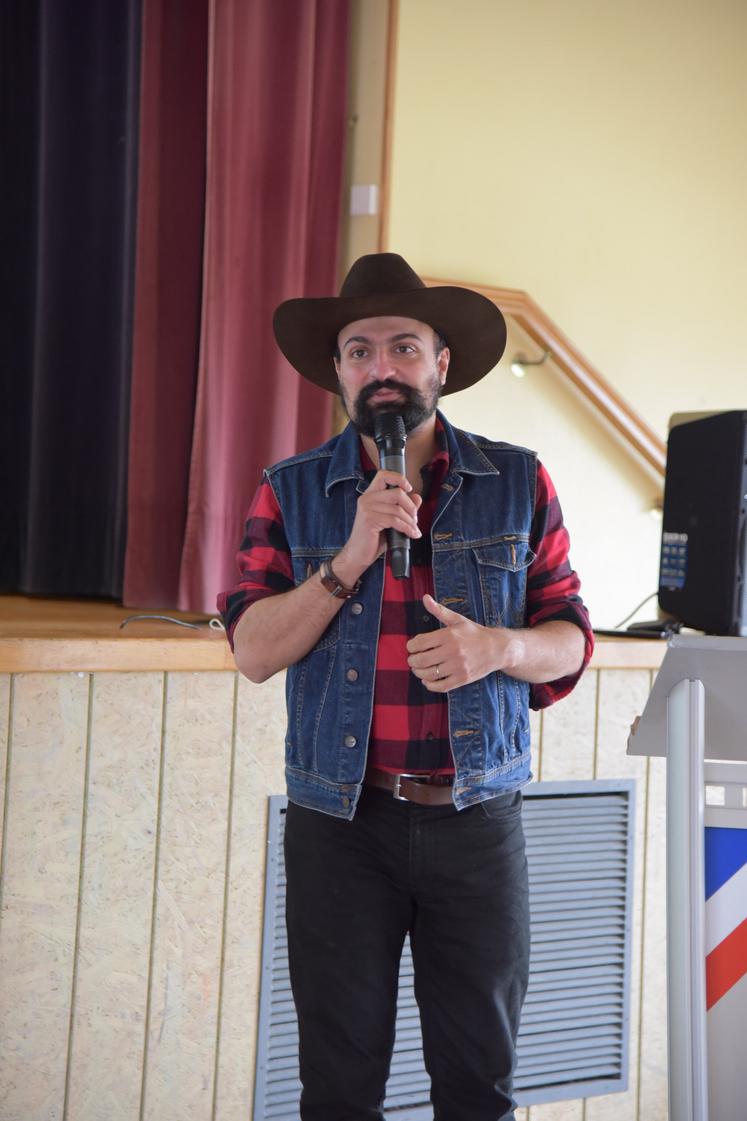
(58,635)
(84,636)
(212,654)
(386,149)
(133,655)
(576,368)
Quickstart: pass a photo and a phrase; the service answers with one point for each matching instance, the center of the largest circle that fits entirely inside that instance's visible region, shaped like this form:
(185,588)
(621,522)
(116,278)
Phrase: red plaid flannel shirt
(410,730)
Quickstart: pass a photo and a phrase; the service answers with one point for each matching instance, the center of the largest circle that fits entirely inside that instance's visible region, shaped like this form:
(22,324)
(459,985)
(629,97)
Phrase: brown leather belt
(412,788)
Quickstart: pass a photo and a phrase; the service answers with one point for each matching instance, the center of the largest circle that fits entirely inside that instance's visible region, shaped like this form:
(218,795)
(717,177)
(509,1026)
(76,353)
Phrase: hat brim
(306,330)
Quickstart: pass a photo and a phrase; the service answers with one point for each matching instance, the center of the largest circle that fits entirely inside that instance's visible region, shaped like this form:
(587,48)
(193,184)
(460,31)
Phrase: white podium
(696,716)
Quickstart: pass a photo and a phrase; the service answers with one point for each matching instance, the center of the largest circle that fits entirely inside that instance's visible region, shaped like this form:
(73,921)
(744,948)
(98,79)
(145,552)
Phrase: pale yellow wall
(594,477)
(592,154)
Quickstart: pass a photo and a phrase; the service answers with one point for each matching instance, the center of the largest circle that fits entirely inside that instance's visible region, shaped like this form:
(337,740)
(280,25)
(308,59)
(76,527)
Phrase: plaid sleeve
(552,585)
(263,560)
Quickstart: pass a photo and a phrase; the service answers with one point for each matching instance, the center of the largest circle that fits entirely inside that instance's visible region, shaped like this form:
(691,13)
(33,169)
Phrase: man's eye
(405,348)
(359,352)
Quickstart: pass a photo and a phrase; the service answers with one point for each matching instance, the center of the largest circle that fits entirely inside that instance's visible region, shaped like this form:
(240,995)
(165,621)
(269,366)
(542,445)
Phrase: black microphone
(390,436)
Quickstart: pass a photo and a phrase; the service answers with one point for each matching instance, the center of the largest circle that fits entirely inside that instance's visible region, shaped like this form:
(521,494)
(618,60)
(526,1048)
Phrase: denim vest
(480,542)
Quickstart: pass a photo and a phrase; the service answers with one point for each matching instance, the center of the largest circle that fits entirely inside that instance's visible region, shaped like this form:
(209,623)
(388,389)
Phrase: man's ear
(443,363)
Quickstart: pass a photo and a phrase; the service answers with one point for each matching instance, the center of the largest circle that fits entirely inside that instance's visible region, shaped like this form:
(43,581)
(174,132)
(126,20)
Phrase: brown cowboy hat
(384,284)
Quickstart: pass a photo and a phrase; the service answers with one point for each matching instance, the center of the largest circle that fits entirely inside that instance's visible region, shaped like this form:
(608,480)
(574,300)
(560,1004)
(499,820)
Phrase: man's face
(389,364)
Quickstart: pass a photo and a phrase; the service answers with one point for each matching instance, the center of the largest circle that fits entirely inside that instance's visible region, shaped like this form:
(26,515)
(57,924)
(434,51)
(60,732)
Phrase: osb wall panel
(4,727)
(133,876)
(567,752)
(190,882)
(116,896)
(258,770)
(652,1096)
(41,868)
(617,693)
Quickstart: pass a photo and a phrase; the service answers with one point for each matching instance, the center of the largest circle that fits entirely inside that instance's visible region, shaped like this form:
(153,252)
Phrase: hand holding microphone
(388,502)
(390,436)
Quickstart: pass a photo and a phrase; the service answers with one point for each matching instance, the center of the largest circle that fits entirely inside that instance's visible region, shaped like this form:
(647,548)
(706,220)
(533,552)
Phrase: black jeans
(457,881)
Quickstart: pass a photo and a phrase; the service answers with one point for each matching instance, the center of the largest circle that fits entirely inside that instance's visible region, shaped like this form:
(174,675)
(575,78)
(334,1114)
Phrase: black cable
(635,609)
(162,618)
(214,623)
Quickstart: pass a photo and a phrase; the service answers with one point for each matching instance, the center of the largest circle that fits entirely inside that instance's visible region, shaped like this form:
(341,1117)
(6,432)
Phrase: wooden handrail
(576,367)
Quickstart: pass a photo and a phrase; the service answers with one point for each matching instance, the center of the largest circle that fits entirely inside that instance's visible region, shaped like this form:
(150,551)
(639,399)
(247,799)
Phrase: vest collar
(465,456)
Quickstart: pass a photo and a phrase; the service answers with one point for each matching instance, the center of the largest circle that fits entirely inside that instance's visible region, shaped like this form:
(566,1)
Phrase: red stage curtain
(168,292)
(275,147)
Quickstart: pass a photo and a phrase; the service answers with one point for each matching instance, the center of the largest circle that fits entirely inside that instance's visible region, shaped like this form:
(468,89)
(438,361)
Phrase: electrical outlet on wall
(364,199)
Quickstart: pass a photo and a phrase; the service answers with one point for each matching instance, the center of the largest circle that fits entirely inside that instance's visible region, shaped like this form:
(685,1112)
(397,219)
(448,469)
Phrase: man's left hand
(460,652)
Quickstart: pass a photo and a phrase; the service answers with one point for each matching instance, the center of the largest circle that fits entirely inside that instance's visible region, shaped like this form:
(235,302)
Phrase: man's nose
(382,365)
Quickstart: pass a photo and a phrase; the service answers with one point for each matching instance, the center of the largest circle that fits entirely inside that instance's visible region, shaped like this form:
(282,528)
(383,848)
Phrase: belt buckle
(397,783)
(395,790)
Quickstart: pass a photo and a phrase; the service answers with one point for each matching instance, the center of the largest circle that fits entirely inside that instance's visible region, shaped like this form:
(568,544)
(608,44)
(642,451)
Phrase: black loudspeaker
(703,570)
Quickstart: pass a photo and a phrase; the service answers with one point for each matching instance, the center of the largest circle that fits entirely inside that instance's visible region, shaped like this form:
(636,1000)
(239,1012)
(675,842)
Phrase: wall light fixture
(519,363)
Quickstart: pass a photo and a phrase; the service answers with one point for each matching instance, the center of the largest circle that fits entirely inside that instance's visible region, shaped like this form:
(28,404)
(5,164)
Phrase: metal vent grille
(573,1041)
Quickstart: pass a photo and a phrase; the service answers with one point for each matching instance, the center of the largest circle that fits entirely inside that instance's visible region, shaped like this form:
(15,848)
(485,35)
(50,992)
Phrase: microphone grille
(389,426)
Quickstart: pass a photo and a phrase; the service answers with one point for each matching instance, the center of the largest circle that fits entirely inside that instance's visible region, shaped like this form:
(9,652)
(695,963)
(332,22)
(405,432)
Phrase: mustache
(373,387)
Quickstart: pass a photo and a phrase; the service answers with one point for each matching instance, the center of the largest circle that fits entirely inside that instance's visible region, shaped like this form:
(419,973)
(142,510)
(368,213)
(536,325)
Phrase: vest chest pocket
(501,567)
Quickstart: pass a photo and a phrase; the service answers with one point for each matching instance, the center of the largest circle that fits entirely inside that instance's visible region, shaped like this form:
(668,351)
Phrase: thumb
(444,614)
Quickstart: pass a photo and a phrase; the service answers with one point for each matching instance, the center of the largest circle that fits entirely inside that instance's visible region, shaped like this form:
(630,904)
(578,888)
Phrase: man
(408,735)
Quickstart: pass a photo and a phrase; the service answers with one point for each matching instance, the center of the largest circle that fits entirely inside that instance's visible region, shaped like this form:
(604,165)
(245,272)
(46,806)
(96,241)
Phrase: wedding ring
(438,671)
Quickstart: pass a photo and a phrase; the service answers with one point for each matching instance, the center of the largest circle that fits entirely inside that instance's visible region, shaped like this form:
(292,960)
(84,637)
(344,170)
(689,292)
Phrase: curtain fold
(168,289)
(19,101)
(70,95)
(276,135)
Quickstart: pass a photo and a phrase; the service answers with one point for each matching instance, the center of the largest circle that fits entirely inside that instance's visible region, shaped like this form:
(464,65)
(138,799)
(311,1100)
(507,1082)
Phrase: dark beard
(414,408)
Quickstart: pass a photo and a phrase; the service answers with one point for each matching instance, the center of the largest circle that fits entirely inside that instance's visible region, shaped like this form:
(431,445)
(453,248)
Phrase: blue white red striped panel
(726,910)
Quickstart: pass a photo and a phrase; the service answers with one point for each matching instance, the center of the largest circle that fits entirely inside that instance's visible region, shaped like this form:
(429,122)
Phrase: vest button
(357,608)
(350,741)
(352,675)
(345,802)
